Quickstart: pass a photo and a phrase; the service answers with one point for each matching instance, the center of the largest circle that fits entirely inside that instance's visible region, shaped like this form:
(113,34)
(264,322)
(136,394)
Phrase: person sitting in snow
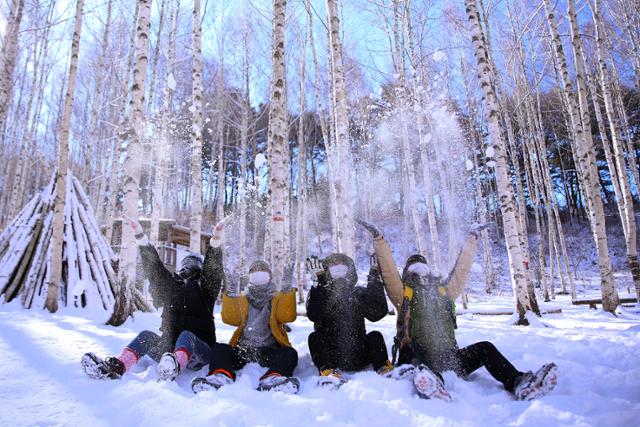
(426,327)
(338,309)
(188,329)
(260,315)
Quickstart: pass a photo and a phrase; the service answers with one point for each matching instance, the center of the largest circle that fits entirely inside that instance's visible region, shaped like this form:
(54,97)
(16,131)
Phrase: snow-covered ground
(41,382)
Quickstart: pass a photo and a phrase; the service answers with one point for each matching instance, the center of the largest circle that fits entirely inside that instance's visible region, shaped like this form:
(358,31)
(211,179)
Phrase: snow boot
(429,385)
(530,386)
(97,368)
(168,367)
(277,382)
(331,379)
(402,372)
(210,382)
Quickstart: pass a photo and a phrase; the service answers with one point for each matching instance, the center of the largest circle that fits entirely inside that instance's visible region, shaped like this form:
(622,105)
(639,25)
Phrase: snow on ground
(41,382)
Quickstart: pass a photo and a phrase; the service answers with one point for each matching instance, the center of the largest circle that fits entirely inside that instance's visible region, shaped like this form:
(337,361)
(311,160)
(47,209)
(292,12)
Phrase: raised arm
(318,297)
(372,301)
(159,277)
(388,269)
(460,272)
(213,270)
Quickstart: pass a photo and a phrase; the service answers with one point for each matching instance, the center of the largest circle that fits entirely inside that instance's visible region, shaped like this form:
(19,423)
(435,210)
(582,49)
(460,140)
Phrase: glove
(136,228)
(369,227)
(315,268)
(476,228)
(217,237)
(374,270)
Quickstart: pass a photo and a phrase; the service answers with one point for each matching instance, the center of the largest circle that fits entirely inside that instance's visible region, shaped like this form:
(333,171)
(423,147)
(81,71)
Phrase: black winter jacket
(338,309)
(188,304)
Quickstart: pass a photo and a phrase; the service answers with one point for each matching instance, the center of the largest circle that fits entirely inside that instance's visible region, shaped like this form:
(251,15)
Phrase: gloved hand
(217,237)
(135,226)
(374,270)
(315,267)
(369,227)
(476,228)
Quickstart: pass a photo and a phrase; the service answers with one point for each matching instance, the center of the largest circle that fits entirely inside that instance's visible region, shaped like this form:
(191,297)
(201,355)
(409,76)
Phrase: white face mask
(338,271)
(259,278)
(420,269)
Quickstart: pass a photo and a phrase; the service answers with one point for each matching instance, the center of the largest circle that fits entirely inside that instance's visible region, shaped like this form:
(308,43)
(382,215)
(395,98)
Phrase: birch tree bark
(346,243)
(300,248)
(55,277)
(583,147)
(132,168)
(8,59)
(623,198)
(278,142)
(508,207)
(196,145)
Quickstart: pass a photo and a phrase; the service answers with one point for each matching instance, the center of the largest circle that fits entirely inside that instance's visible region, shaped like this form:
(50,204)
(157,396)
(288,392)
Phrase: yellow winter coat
(235,311)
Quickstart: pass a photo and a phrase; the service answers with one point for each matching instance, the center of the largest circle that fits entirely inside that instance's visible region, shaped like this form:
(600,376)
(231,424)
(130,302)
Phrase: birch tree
(196,145)
(342,173)
(508,207)
(278,143)
(53,287)
(8,58)
(132,167)
(583,147)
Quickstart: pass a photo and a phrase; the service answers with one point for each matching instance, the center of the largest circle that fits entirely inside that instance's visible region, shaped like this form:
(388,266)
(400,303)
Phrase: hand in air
(315,267)
(375,232)
(476,228)
(217,237)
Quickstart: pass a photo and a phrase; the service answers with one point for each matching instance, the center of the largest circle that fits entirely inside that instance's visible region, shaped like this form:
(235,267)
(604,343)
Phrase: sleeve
(231,310)
(287,307)
(318,303)
(160,279)
(372,301)
(212,275)
(389,270)
(460,272)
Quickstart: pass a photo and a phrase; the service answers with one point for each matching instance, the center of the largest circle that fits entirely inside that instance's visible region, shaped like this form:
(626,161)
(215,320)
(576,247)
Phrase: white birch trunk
(132,167)
(196,145)
(346,243)
(584,150)
(278,142)
(519,277)
(8,59)
(55,278)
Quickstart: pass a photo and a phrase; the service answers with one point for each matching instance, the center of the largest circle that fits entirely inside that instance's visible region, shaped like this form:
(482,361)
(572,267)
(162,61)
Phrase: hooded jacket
(235,312)
(339,308)
(188,303)
(427,324)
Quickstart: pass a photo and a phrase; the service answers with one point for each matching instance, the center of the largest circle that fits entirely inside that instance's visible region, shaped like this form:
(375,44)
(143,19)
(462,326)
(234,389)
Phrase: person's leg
(222,360)
(322,353)
(376,350)
(279,360)
(191,351)
(146,343)
(486,354)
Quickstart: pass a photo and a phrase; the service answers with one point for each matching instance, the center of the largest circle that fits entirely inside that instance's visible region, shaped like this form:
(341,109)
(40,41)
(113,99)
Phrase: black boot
(96,368)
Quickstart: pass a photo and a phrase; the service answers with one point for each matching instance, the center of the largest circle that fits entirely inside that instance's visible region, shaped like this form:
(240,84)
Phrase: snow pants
(153,345)
(326,354)
(278,359)
(472,358)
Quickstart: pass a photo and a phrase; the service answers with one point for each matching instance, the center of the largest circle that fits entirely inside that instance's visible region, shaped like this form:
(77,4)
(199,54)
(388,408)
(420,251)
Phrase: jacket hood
(260,265)
(338,258)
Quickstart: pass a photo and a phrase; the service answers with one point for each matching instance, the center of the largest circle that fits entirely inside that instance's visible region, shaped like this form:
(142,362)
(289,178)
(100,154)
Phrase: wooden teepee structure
(88,276)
